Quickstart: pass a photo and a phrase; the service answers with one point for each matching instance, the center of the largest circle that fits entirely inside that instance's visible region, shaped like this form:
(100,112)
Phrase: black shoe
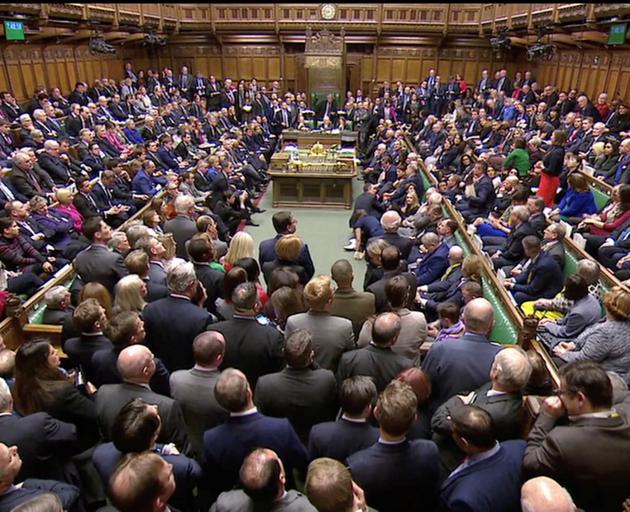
(251,223)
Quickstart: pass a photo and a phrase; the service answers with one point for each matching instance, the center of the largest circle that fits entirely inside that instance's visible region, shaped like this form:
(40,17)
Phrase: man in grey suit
(97,262)
(377,360)
(262,479)
(182,226)
(136,366)
(347,302)
(156,251)
(302,394)
(194,388)
(332,335)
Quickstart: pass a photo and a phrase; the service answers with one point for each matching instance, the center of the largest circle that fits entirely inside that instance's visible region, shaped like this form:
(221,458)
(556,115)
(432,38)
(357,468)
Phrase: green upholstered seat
(570,263)
(601,198)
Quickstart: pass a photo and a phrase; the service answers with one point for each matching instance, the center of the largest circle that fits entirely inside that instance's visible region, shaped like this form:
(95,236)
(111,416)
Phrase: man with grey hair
(501,398)
(51,162)
(542,494)
(58,305)
(45,443)
(182,226)
(465,365)
(304,394)
(509,251)
(119,243)
(252,346)
(136,366)
(27,179)
(39,122)
(172,323)
(434,259)
(390,221)
(377,360)
(226,446)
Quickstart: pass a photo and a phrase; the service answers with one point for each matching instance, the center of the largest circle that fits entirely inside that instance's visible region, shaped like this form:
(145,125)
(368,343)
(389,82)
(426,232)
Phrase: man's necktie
(36,184)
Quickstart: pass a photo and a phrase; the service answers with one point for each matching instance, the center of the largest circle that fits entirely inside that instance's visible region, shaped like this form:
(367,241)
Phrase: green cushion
(570,263)
(601,198)
(504,331)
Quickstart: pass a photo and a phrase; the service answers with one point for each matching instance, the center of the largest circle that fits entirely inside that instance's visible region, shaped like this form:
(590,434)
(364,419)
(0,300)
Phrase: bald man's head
(479,316)
(542,494)
(455,254)
(262,476)
(386,329)
(135,363)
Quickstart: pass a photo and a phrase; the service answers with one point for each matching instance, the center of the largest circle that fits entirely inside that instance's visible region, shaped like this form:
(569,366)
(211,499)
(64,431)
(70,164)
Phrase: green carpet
(325,230)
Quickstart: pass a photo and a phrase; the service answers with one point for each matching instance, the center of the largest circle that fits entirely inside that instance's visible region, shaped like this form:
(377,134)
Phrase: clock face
(328,11)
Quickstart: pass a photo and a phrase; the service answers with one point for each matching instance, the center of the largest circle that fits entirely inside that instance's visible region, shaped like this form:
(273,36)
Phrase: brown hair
(94,290)
(617,303)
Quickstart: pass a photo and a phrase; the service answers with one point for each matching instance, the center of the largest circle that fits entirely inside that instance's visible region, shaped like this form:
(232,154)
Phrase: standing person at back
(284,223)
(183,227)
(332,335)
(347,302)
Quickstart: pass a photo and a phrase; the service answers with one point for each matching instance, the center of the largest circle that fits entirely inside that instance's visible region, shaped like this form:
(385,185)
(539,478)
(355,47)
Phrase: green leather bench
(601,198)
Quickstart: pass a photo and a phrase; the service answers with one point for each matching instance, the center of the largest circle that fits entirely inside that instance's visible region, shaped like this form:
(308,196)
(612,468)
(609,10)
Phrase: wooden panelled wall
(25,66)
(592,72)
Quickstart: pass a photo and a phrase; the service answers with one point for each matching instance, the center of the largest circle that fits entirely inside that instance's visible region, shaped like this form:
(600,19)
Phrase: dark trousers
(25,284)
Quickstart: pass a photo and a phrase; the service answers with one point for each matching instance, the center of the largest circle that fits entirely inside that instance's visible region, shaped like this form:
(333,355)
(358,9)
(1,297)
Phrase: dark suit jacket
(186,472)
(172,324)
(25,184)
(433,265)
(587,456)
(340,439)
(404,244)
(212,281)
(84,206)
(267,252)
(303,396)
(80,351)
(378,289)
(43,442)
(485,197)
(111,398)
(253,348)
(56,168)
(98,263)
(226,446)
(458,366)
(491,484)
(68,494)
(183,229)
(398,477)
(513,248)
(542,279)
(380,363)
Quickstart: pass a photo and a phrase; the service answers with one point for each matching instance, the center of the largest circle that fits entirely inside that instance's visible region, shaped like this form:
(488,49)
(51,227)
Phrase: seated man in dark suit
(490,478)
(434,260)
(58,305)
(302,393)
(479,204)
(352,432)
(284,223)
(90,320)
(465,365)
(391,222)
(97,262)
(397,474)
(509,251)
(377,360)
(252,347)
(89,205)
(226,446)
(28,179)
(542,279)
(594,438)
(501,398)
(136,365)
(262,481)
(135,430)
(13,495)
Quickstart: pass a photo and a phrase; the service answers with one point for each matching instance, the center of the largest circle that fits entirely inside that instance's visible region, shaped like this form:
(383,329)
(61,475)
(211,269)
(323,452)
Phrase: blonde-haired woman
(131,292)
(241,246)
(65,197)
(288,249)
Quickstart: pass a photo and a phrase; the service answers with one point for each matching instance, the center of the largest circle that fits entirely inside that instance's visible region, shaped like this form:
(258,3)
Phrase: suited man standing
(397,474)
(465,365)
(285,223)
(226,446)
(202,252)
(194,388)
(390,260)
(172,323)
(97,262)
(332,335)
(327,108)
(377,360)
(347,302)
(252,347)
(302,393)
(490,478)
(594,438)
(504,84)
(182,226)
(136,366)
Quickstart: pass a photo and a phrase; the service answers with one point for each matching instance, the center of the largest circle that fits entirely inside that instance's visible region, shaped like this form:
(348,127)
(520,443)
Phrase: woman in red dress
(553,161)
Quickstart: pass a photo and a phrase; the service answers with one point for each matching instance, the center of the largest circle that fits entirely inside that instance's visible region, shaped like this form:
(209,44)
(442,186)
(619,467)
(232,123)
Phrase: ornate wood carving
(324,42)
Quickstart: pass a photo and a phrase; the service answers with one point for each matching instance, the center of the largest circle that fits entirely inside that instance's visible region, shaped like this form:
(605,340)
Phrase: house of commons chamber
(314,257)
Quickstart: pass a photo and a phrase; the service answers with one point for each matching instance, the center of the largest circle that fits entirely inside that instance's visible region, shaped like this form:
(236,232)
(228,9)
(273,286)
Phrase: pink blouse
(74,214)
